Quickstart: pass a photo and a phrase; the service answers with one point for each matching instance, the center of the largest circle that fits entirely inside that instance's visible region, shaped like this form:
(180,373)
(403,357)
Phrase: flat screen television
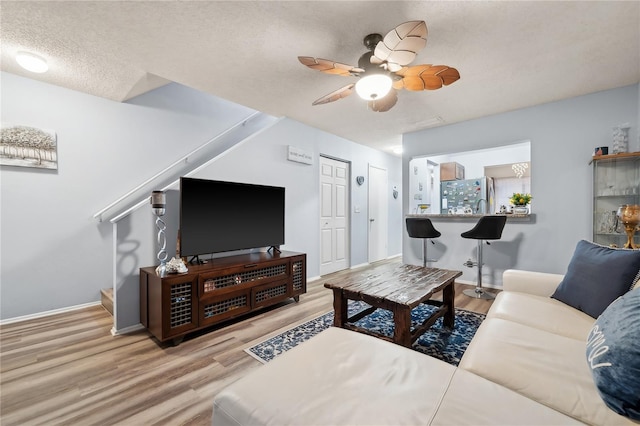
(217,216)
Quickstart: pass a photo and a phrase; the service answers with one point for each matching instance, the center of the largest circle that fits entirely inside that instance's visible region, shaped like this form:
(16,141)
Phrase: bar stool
(487,228)
(422,228)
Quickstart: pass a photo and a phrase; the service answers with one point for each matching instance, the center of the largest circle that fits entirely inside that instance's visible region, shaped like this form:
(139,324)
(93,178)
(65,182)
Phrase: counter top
(510,217)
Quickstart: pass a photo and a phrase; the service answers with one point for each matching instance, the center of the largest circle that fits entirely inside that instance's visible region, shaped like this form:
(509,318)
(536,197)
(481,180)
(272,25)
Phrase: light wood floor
(69,369)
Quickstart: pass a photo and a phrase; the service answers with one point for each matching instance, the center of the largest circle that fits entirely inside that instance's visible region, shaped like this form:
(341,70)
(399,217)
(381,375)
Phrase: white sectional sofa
(526,365)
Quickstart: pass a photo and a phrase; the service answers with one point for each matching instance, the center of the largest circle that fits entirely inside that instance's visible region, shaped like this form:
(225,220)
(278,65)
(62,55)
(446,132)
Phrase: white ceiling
(510,54)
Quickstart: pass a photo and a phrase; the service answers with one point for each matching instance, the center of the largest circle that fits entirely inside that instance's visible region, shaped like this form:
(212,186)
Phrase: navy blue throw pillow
(613,353)
(596,276)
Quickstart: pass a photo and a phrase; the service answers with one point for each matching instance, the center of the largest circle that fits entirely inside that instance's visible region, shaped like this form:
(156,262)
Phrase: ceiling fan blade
(342,92)
(427,77)
(385,103)
(401,44)
(393,67)
(330,67)
(398,84)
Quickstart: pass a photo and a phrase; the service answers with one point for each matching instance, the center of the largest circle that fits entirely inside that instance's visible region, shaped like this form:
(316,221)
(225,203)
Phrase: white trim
(126,330)
(474,283)
(361,265)
(393,256)
(316,278)
(48,313)
(114,273)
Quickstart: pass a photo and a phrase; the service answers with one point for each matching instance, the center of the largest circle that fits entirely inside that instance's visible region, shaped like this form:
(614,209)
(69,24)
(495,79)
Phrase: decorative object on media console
(621,138)
(629,215)
(382,71)
(176,266)
(158,205)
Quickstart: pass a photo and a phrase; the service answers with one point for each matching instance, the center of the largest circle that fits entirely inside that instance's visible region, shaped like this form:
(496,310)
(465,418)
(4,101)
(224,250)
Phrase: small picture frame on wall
(26,146)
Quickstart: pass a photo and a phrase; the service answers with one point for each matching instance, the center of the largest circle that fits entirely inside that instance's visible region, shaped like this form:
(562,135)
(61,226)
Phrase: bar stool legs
(478,292)
(487,228)
(425,258)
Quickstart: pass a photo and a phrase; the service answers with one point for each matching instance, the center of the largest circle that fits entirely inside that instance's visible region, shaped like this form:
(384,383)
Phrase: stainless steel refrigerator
(469,196)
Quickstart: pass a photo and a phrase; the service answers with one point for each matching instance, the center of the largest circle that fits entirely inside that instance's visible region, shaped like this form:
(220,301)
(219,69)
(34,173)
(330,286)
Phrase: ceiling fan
(383,71)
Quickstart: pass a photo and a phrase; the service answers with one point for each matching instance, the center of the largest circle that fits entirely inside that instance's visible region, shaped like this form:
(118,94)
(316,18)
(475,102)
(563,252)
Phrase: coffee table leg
(402,323)
(448,296)
(339,308)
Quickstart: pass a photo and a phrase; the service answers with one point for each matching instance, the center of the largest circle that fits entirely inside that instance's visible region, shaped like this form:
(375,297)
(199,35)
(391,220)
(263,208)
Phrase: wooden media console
(217,291)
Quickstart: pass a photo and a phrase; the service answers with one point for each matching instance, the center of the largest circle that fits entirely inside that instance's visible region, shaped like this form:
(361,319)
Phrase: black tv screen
(218,216)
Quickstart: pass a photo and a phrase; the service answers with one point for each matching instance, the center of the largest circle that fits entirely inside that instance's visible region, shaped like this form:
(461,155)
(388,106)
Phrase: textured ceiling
(510,54)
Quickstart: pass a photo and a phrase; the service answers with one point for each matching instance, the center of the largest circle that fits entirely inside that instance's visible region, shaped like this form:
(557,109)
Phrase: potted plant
(520,203)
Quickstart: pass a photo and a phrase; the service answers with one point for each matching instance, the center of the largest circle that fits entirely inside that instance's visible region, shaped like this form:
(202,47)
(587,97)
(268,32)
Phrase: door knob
(371,220)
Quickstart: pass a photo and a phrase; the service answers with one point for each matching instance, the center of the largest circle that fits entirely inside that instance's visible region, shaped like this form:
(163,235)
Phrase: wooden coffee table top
(407,285)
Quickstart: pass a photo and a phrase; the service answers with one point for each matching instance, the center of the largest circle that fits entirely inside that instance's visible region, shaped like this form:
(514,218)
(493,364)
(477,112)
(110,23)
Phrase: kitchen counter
(474,217)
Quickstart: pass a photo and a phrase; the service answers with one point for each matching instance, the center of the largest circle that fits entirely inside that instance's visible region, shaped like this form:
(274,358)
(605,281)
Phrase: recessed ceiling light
(31,62)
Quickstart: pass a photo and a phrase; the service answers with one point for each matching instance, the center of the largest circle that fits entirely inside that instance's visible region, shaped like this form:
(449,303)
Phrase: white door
(334,215)
(378,213)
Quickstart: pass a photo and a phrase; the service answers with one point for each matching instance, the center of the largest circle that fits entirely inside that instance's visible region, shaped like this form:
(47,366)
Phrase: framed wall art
(25,146)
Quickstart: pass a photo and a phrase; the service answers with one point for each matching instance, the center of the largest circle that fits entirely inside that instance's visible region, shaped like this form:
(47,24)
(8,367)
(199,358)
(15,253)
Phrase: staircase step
(106,297)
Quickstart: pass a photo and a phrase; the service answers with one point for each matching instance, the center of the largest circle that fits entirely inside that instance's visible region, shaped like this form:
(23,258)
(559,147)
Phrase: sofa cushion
(543,313)
(473,400)
(546,367)
(613,353)
(596,276)
(343,377)
(338,377)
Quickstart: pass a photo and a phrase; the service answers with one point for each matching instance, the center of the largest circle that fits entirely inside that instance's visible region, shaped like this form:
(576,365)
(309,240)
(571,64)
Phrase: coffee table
(398,290)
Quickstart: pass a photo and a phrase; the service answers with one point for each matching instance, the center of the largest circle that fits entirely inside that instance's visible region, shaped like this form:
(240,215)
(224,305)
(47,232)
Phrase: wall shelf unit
(616,181)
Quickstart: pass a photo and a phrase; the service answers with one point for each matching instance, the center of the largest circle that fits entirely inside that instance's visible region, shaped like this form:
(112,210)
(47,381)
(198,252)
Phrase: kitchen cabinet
(451,171)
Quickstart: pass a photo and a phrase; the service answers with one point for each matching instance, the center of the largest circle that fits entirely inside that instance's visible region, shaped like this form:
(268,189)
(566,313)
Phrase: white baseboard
(48,313)
(473,283)
(311,279)
(362,265)
(126,330)
(394,256)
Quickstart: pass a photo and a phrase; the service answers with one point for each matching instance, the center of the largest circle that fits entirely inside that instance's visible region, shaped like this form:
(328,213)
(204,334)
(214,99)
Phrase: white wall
(54,255)
(563,135)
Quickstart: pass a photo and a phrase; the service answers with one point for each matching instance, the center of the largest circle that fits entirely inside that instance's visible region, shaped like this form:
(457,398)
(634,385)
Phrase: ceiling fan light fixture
(31,62)
(374,86)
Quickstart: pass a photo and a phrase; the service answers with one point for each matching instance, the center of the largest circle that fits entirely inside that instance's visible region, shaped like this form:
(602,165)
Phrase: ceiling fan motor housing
(371,41)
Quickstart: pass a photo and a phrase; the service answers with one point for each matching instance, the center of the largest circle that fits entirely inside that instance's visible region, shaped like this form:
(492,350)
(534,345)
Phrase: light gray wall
(54,255)
(263,160)
(563,135)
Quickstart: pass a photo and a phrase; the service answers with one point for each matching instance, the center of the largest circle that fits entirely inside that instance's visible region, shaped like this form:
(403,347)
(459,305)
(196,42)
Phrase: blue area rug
(438,342)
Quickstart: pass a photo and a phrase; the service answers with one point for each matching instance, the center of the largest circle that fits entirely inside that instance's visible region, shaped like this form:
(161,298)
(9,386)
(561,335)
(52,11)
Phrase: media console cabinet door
(224,306)
(298,275)
(179,305)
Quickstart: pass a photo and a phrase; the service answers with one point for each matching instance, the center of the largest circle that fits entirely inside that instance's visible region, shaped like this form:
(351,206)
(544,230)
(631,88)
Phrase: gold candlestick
(629,215)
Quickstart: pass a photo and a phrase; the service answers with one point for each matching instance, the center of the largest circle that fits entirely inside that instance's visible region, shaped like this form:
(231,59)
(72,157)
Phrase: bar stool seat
(487,228)
(422,228)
